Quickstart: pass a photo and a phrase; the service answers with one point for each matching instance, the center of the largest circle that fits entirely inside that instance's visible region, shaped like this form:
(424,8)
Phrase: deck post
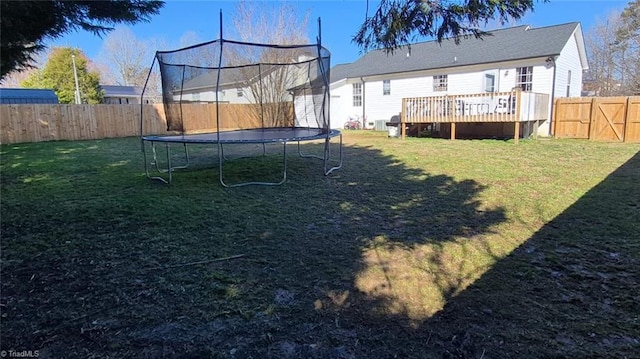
(516,135)
(453,130)
(403,119)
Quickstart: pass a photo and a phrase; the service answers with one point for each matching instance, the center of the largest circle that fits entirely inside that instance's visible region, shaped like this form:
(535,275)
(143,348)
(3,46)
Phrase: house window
(524,77)
(357,95)
(440,83)
(386,87)
(569,83)
(489,82)
(240,92)
(196,96)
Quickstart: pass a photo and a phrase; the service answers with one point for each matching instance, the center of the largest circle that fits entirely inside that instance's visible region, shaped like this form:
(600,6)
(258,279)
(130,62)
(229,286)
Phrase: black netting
(228,85)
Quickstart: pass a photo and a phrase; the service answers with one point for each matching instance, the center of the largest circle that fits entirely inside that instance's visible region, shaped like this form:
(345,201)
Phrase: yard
(416,248)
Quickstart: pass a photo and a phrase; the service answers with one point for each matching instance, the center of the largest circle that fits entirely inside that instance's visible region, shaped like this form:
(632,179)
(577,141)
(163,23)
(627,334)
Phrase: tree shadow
(570,291)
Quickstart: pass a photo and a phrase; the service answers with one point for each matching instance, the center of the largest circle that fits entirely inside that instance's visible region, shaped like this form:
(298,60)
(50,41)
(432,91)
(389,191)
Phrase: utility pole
(75,77)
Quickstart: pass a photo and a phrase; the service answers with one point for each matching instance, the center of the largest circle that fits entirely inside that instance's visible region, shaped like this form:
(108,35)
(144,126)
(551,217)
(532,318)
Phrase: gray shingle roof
(520,42)
(121,91)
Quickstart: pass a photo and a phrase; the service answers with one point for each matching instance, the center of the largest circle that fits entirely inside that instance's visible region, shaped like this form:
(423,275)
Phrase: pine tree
(397,22)
(25,25)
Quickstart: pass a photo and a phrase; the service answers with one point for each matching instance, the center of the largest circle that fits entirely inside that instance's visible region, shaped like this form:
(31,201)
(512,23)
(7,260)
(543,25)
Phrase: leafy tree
(397,22)
(25,25)
(58,75)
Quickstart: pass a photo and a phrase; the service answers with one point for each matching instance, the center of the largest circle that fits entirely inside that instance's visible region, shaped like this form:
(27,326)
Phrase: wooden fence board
(632,129)
(573,117)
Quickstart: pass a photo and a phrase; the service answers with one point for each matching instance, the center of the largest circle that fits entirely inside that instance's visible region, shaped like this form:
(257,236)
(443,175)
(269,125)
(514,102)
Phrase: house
(546,60)
(122,95)
(27,96)
(273,85)
(200,87)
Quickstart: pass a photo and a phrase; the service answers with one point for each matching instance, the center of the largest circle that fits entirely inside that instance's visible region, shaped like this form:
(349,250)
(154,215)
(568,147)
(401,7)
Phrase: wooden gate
(598,118)
(608,115)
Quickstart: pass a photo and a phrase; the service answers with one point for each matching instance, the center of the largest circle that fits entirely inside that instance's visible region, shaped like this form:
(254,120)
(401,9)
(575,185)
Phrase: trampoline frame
(228,138)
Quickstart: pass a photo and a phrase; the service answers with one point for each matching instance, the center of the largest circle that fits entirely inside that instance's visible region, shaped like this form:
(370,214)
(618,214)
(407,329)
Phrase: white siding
(469,80)
(341,104)
(569,60)
(209,95)
(382,107)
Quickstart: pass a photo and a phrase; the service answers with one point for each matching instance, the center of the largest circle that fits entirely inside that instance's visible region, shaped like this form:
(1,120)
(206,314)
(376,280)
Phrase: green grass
(416,248)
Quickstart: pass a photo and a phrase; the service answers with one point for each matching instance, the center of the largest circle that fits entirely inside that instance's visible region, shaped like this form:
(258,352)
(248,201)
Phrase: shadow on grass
(98,261)
(571,291)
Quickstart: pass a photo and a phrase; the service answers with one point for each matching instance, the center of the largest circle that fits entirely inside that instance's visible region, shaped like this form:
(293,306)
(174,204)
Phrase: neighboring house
(547,60)
(201,88)
(279,83)
(27,96)
(238,84)
(122,95)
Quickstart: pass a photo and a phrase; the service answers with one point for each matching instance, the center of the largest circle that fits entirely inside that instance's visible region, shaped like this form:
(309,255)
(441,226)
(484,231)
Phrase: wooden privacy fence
(37,123)
(598,118)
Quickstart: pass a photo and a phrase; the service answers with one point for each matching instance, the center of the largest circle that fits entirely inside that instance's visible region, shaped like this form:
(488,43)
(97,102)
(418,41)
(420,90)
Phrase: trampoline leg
(169,169)
(153,163)
(307,156)
(156,163)
(327,156)
(284,171)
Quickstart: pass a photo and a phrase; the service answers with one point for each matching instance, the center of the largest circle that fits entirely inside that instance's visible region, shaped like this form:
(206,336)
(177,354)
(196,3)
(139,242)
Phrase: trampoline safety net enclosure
(228,92)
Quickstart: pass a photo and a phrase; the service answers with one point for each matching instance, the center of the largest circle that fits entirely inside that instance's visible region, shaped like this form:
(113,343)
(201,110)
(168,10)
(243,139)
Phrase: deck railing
(515,106)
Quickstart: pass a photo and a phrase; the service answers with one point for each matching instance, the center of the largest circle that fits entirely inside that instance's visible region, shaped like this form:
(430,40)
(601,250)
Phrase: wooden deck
(497,107)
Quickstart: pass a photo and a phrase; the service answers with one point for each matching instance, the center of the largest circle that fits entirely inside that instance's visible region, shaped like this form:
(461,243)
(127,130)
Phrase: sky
(340,21)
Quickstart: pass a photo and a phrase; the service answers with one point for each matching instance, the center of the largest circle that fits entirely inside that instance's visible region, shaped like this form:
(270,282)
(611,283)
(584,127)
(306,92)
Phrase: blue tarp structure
(27,96)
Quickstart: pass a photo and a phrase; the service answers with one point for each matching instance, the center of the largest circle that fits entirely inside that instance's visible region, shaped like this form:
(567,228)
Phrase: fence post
(627,119)
(592,116)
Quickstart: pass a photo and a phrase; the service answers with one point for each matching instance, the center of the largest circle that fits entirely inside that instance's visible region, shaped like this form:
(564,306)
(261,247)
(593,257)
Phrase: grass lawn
(416,248)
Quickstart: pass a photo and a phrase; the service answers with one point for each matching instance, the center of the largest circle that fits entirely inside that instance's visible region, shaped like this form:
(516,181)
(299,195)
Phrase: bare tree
(269,83)
(125,60)
(14,79)
(628,39)
(605,56)
(614,53)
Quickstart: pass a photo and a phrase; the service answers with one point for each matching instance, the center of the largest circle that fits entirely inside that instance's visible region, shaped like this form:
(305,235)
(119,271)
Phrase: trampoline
(227,92)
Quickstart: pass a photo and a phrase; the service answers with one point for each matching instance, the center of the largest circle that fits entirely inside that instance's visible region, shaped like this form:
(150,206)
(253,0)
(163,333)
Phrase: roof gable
(515,43)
